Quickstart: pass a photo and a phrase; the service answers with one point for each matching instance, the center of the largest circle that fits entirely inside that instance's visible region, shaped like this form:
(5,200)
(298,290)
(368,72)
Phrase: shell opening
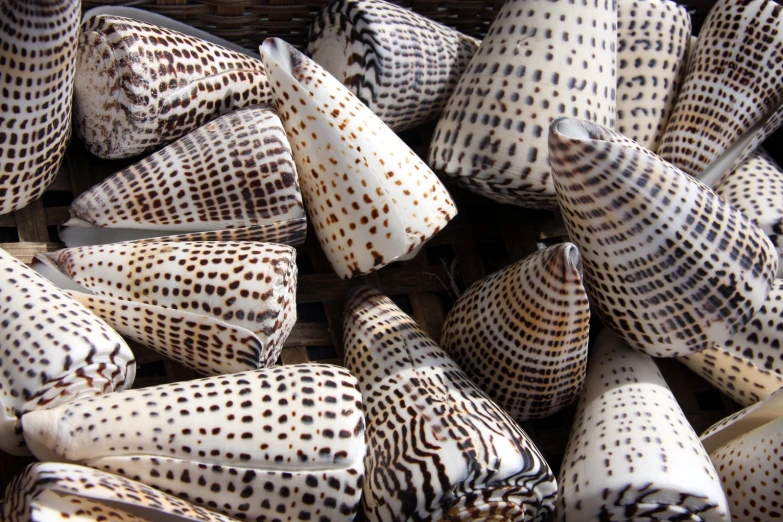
(48,269)
(77,232)
(580,130)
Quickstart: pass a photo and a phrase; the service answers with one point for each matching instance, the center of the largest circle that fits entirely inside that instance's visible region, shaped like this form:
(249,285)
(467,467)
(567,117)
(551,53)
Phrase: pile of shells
(642,137)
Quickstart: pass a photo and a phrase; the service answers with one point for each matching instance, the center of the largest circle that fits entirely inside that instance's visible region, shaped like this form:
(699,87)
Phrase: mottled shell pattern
(53,351)
(521,334)
(652,47)
(370,198)
(284,443)
(438,447)
(402,65)
(669,266)
(734,81)
(139,86)
(539,60)
(235,172)
(38,62)
(50,491)
(215,307)
(632,455)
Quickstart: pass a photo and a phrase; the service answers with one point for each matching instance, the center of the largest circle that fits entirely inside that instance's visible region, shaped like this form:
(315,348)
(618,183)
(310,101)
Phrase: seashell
(652,46)
(540,60)
(214,307)
(756,189)
(139,86)
(371,200)
(733,374)
(632,454)
(438,448)
(57,491)
(54,350)
(733,83)
(38,60)
(669,266)
(403,66)
(284,443)
(233,177)
(521,334)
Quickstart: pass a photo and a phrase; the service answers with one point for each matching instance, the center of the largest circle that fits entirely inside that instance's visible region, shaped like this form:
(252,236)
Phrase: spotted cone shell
(756,189)
(57,491)
(521,334)
(284,443)
(54,350)
(214,307)
(540,60)
(632,454)
(38,60)
(402,65)
(139,86)
(438,447)
(669,266)
(652,48)
(734,81)
(371,200)
(233,176)
(743,381)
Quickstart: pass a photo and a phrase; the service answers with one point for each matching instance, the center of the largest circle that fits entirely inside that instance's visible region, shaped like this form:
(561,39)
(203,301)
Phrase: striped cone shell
(214,307)
(743,381)
(54,350)
(521,334)
(438,448)
(284,443)
(403,66)
(734,81)
(632,454)
(57,491)
(371,200)
(669,266)
(540,60)
(756,189)
(652,46)
(139,86)
(38,60)
(234,175)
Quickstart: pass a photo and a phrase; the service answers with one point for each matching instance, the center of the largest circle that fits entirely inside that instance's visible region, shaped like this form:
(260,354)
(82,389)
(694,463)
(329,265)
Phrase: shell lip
(577,130)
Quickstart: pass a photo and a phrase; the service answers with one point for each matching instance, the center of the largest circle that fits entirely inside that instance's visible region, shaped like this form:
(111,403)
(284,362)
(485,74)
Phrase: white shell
(632,454)
(54,350)
(438,447)
(400,64)
(371,200)
(539,60)
(669,266)
(282,443)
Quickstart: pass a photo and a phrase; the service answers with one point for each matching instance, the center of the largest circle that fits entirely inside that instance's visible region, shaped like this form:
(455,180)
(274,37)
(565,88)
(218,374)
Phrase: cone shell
(371,200)
(743,381)
(670,267)
(56,491)
(652,47)
(540,60)
(54,350)
(232,173)
(215,307)
(734,81)
(283,443)
(139,86)
(521,334)
(438,448)
(632,454)
(38,61)
(403,66)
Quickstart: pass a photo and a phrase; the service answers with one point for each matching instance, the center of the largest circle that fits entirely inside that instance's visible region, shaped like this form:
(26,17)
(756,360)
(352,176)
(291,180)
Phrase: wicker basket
(483,238)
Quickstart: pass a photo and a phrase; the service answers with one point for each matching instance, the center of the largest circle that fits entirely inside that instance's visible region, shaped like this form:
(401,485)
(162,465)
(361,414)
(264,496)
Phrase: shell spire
(438,447)
(669,266)
(371,200)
